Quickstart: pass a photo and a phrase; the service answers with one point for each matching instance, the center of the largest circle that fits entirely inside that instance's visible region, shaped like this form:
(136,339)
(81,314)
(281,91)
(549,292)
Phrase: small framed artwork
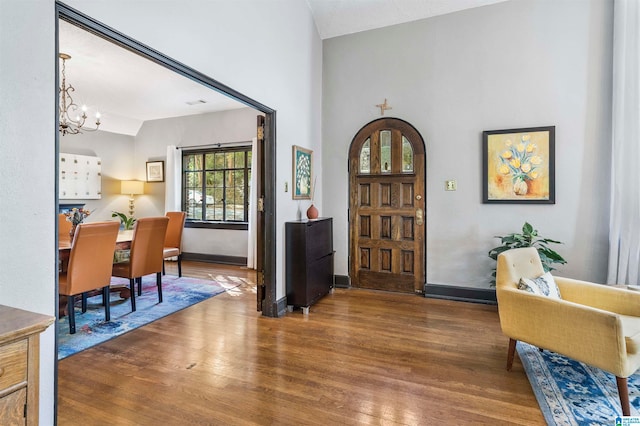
(155,171)
(302,171)
(518,166)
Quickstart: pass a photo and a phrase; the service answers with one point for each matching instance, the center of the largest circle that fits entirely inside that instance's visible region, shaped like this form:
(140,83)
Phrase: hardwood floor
(360,357)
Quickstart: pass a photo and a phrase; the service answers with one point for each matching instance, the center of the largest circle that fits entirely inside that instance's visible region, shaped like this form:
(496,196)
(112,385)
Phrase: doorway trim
(66,13)
(79,19)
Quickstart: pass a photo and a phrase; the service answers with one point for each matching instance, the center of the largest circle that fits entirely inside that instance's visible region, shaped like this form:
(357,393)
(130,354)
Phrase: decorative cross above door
(383,106)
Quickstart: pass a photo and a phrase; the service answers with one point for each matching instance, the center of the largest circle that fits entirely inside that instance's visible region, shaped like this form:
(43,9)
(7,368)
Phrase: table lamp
(131,188)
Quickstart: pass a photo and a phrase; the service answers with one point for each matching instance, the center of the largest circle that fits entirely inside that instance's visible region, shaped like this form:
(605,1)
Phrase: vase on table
(312,212)
(72,231)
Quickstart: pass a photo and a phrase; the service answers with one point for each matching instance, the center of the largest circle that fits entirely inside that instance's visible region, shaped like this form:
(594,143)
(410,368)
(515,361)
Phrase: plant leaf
(527,238)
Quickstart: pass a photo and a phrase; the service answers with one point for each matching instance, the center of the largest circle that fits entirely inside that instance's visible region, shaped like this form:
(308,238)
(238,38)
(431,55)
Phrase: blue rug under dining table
(92,329)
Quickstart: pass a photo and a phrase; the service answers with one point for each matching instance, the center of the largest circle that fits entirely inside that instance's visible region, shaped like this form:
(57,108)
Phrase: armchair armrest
(584,333)
(601,296)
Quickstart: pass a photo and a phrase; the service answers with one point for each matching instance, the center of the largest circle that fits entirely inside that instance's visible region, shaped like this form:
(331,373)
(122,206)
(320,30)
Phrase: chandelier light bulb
(68,125)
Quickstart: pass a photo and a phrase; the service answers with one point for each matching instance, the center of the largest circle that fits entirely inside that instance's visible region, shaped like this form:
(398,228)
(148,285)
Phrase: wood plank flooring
(361,357)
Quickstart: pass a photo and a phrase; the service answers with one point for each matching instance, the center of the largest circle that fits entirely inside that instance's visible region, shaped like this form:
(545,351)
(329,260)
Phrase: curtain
(253,212)
(173,180)
(624,225)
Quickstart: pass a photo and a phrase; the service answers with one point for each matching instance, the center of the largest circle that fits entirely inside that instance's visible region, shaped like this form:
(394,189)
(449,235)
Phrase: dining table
(123,244)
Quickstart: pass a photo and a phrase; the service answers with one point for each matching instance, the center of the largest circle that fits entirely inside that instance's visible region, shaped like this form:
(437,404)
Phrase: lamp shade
(132,187)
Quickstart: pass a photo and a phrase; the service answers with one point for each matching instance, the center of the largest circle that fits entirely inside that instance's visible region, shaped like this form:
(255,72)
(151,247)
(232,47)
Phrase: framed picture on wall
(302,171)
(80,177)
(155,171)
(518,166)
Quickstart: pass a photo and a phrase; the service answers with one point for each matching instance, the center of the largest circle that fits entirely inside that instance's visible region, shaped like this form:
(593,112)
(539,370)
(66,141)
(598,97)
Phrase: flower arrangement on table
(76,216)
(521,162)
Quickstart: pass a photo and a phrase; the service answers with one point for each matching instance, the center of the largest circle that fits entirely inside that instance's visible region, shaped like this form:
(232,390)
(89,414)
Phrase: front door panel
(387,226)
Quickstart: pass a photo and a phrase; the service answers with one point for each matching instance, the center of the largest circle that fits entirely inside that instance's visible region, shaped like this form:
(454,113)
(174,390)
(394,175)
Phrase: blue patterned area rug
(572,393)
(92,329)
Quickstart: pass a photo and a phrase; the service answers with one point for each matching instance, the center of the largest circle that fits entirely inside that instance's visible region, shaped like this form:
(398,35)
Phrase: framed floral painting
(519,165)
(302,173)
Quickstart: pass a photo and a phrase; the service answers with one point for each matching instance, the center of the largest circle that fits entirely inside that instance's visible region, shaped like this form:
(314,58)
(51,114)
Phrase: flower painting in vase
(519,165)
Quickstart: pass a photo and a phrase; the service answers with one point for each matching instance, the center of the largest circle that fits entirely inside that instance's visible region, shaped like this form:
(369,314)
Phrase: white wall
(27,152)
(116,152)
(217,38)
(514,64)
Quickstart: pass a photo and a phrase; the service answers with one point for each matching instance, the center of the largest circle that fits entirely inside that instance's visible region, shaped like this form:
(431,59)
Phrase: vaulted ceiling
(128,89)
(339,17)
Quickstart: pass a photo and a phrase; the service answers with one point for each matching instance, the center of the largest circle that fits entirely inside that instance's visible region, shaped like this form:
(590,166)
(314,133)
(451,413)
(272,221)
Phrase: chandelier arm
(69,125)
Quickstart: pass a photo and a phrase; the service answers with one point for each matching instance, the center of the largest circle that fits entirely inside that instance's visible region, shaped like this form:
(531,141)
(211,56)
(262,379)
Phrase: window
(407,155)
(365,157)
(385,151)
(216,185)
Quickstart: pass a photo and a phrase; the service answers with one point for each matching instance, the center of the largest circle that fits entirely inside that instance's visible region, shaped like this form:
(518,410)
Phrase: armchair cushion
(631,326)
(544,285)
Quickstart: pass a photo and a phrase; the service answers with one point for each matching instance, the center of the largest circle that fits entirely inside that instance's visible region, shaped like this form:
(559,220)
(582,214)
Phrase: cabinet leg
(289,308)
(305,310)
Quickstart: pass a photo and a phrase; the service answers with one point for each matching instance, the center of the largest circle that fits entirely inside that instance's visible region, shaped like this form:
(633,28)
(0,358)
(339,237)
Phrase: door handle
(419,217)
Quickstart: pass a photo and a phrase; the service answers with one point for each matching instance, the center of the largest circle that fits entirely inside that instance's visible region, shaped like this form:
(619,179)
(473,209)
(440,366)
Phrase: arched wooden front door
(387,207)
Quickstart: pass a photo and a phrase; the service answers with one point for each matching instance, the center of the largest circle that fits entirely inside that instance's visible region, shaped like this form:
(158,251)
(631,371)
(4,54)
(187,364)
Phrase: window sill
(238,226)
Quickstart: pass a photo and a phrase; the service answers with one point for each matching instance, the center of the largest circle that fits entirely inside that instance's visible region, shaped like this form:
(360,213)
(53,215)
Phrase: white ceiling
(339,17)
(128,89)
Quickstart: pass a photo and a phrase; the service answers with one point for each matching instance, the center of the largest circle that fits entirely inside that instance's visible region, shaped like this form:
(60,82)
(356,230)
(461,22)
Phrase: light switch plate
(450,185)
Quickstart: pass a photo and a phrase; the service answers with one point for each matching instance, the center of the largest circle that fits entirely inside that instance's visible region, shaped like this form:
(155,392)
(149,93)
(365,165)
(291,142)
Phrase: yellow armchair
(592,323)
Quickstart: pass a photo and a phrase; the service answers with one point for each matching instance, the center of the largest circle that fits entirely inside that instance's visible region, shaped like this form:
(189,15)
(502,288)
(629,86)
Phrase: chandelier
(72,117)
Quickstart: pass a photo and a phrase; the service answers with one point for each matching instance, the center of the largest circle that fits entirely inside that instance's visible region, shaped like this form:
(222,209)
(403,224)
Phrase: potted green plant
(126,221)
(528,238)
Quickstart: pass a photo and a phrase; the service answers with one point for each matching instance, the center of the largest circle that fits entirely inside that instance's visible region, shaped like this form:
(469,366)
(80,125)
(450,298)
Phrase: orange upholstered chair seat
(146,255)
(173,238)
(90,263)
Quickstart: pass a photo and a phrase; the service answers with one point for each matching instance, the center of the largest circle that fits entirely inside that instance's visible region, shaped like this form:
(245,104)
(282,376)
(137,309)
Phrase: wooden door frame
(66,13)
(79,19)
(350,210)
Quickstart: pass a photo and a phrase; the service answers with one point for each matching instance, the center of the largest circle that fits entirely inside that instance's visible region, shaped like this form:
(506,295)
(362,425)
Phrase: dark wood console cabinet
(309,261)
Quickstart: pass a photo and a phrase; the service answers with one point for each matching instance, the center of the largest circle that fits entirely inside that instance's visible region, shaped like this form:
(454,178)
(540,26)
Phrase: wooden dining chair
(146,255)
(89,266)
(173,239)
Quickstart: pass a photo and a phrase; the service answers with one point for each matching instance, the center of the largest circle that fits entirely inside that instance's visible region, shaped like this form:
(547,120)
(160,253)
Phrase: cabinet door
(12,408)
(319,278)
(319,239)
